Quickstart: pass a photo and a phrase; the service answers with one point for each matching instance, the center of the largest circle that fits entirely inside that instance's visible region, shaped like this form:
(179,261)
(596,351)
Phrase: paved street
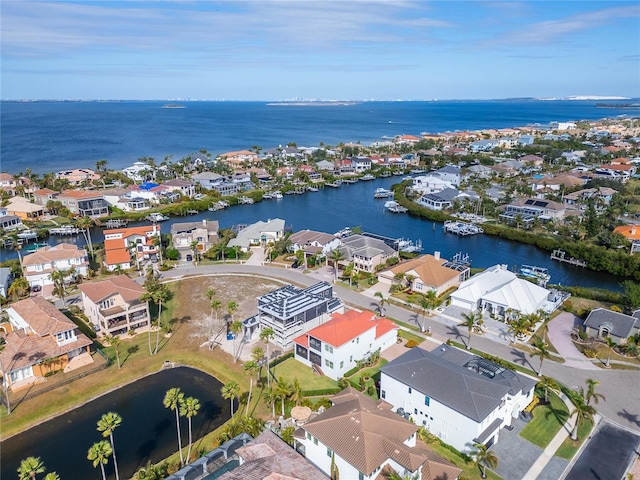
(620,387)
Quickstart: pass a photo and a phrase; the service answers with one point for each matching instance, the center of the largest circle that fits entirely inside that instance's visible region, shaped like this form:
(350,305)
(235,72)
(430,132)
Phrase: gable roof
(468,384)
(366,433)
(344,327)
(622,325)
(119,284)
(305,237)
(42,316)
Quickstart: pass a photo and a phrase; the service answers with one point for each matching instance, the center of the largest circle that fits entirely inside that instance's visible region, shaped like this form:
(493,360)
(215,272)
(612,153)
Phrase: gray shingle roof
(622,325)
(465,383)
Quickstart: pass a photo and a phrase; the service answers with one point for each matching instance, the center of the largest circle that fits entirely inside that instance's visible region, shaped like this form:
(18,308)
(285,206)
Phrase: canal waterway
(332,209)
(147,432)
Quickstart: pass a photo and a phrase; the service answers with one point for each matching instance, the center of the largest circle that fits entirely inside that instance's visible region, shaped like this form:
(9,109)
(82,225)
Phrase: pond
(147,432)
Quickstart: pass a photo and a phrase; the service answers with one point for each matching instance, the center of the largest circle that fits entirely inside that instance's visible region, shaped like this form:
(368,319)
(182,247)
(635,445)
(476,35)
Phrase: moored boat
(157,217)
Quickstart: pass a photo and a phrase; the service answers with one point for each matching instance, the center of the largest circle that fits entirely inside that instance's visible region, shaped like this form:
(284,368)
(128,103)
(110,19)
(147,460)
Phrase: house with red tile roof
(114,306)
(338,345)
(359,437)
(126,247)
(631,233)
(42,339)
(238,158)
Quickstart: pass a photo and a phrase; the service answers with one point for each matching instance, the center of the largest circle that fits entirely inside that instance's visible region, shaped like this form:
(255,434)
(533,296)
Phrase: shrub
(583,335)
(590,352)
(172,254)
(411,344)
(615,308)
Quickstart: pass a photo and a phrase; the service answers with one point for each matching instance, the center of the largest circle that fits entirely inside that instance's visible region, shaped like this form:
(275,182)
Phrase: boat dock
(461,228)
(116,223)
(65,230)
(395,207)
(560,256)
(335,184)
(398,244)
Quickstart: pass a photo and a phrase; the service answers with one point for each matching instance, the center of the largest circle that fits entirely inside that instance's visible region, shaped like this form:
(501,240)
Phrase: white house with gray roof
(462,398)
(259,233)
(365,252)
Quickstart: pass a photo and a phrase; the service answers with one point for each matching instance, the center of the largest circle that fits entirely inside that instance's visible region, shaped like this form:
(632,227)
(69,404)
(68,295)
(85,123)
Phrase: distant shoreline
(311,104)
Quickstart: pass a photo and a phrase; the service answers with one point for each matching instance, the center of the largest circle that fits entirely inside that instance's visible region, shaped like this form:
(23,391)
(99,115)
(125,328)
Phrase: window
(358,340)
(308,436)
(329,452)
(360,476)
(315,441)
(342,364)
(351,359)
(383,394)
(410,390)
(426,400)
(327,363)
(415,411)
(328,348)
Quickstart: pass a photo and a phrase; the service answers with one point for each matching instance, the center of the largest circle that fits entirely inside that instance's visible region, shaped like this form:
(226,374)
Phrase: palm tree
(518,326)
(548,383)
(409,279)
(99,455)
(229,392)
(471,319)
(582,412)
(336,256)
(267,334)
(236,328)
(85,223)
(296,392)
(484,458)
(18,288)
(270,397)
(59,277)
(189,408)
(172,400)
(251,367)
(383,301)
(210,294)
(114,341)
(591,392)
(348,271)
(30,467)
(194,249)
(52,476)
(283,390)
(610,345)
(540,350)
(160,295)
(107,424)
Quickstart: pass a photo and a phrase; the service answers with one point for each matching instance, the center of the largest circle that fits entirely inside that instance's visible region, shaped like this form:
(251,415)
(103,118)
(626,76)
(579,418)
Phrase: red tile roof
(343,327)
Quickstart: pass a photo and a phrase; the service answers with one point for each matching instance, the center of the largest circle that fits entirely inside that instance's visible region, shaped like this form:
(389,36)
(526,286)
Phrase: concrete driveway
(559,334)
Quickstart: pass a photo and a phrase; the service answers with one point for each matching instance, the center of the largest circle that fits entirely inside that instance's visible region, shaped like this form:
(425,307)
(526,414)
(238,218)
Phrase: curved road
(620,387)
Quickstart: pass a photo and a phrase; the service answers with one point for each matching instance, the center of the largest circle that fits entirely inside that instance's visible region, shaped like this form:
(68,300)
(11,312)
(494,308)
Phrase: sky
(318,50)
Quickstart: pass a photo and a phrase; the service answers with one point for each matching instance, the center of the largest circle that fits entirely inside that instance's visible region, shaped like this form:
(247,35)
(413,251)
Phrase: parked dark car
(36,288)
(295,263)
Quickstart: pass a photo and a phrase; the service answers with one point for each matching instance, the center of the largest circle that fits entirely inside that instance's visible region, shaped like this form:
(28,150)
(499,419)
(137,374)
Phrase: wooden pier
(560,256)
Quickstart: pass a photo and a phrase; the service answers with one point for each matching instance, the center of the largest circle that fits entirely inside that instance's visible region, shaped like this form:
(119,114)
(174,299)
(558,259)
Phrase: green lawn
(410,336)
(469,470)
(547,421)
(569,448)
(291,368)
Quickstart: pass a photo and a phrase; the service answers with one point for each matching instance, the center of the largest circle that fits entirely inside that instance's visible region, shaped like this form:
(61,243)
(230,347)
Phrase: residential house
(361,164)
(449,174)
(461,398)
(313,243)
(366,253)
(290,311)
(555,183)
(602,195)
(42,196)
(42,339)
(208,180)
(440,200)
(78,176)
(325,166)
(428,273)
(127,247)
(183,187)
(361,438)
(336,346)
(532,160)
(38,266)
(620,172)
(430,184)
(138,171)
(269,457)
(483,145)
(259,233)
(6,279)
(24,209)
(496,290)
(10,222)
(407,139)
(528,210)
(478,171)
(85,203)
(238,159)
(631,233)
(602,323)
(114,306)
(204,234)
